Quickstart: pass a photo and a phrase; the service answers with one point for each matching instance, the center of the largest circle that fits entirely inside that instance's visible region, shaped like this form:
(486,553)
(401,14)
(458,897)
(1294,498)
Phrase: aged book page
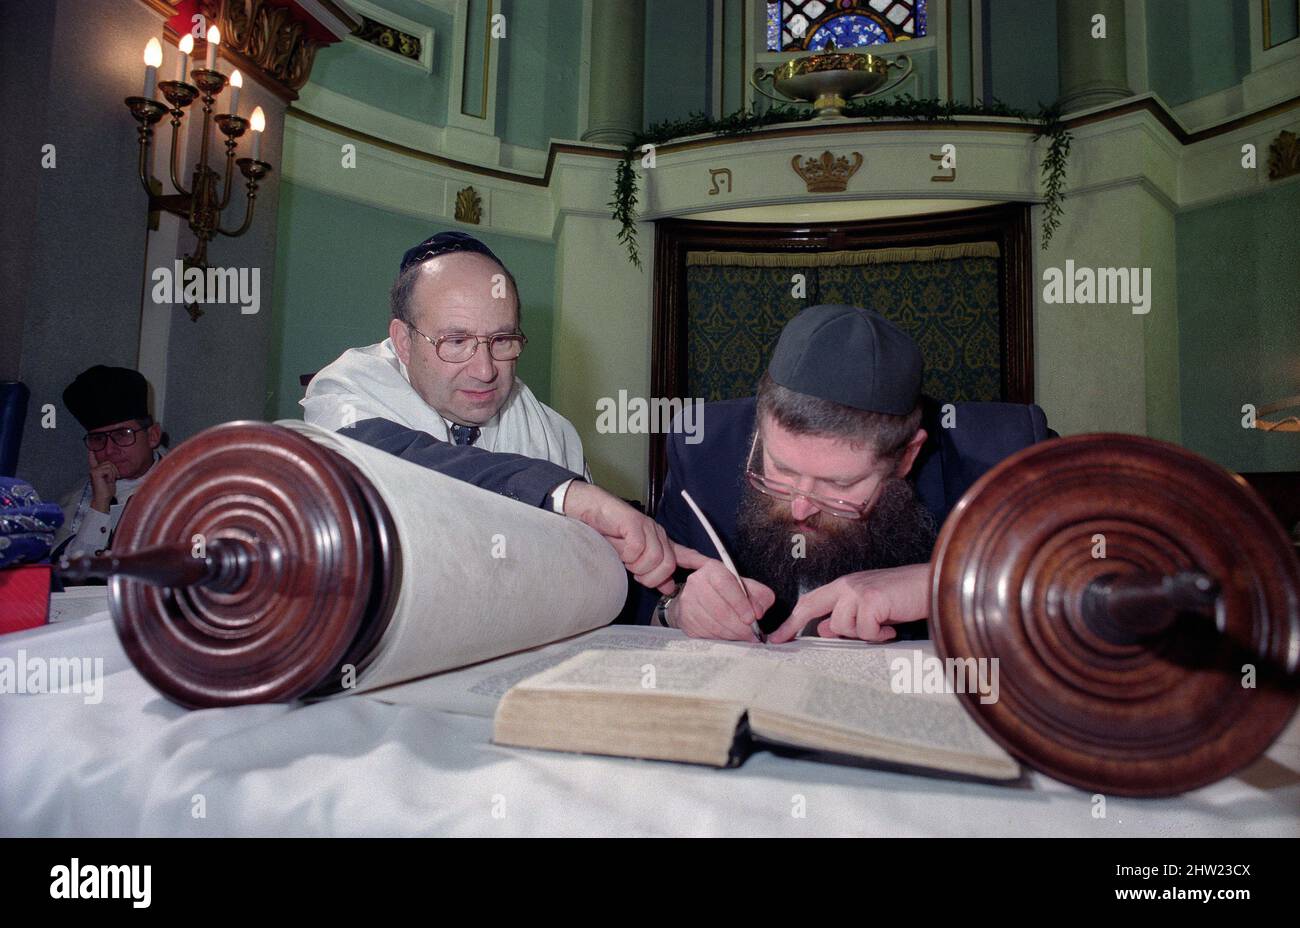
(835,699)
(835,714)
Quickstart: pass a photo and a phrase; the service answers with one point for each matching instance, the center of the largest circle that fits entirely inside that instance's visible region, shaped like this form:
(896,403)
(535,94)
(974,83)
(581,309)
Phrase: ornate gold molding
(269,36)
(469,206)
(389,38)
(277,41)
(1283,156)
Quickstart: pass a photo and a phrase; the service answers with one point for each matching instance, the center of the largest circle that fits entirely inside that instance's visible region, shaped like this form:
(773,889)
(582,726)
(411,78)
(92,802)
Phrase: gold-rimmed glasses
(459,347)
(840,508)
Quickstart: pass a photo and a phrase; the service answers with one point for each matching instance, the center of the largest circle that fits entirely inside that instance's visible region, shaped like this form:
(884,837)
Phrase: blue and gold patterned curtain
(944,296)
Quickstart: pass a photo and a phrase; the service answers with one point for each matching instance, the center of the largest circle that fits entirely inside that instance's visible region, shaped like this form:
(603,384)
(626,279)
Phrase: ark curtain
(944,296)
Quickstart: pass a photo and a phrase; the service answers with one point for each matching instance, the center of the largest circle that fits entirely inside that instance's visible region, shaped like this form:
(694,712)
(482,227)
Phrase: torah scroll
(262,563)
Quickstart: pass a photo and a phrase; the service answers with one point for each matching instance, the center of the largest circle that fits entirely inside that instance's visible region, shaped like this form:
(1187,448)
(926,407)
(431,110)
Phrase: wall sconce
(200,206)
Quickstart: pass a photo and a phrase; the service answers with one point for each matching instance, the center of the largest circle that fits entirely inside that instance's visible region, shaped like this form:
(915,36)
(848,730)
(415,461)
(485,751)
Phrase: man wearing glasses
(828,487)
(122,444)
(445,377)
(448,366)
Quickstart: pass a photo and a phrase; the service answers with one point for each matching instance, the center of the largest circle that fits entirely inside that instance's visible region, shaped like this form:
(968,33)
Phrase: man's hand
(863,605)
(641,543)
(712,605)
(103,483)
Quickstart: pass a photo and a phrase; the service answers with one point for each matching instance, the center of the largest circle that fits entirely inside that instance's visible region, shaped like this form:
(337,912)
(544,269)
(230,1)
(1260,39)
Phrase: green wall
(472,97)
(360,73)
(1284,20)
(1239,325)
(959,46)
(336,261)
(1020,52)
(735,25)
(1196,47)
(537,86)
(677,70)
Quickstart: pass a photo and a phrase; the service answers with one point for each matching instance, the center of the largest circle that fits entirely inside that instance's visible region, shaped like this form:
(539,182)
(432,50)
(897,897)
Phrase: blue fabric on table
(27,525)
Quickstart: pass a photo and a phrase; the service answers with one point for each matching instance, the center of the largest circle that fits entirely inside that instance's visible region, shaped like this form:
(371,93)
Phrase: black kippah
(852,356)
(442,244)
(103,395)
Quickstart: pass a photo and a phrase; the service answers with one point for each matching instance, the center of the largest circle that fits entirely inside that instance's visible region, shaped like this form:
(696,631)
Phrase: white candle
(186,46)
(152,58)
(236,81)
(214,39)
(258,121)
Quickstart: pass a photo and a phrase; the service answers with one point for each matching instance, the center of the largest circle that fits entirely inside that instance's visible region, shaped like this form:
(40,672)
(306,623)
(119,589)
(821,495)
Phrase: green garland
(743,122)
(1058,152)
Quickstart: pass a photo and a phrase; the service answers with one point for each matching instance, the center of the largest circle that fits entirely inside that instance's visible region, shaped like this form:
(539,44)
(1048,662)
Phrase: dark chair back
(13,414)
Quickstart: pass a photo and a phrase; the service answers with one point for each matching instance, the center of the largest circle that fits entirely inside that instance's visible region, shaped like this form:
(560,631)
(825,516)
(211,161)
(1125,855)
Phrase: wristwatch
(661,608)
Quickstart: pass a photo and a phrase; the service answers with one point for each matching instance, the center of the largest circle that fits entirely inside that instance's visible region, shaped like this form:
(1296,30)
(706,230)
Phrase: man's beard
(898,530)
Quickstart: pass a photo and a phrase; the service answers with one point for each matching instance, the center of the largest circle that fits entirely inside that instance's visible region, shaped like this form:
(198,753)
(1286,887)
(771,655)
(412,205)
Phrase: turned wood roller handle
(298,576)
(224,567)
(1163,663)
(1125,608)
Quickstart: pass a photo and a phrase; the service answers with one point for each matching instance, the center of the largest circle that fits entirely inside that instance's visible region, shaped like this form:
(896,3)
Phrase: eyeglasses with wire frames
(123,437)
(840,508)
(459,347)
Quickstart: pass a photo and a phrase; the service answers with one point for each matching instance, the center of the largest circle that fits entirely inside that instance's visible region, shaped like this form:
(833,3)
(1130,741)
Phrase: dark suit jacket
(529,480)
(950,461)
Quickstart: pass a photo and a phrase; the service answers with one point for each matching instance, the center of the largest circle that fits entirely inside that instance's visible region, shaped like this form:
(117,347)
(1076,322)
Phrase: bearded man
(828,487)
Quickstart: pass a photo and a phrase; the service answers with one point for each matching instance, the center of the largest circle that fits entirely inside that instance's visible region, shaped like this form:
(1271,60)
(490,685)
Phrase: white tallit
(370,382)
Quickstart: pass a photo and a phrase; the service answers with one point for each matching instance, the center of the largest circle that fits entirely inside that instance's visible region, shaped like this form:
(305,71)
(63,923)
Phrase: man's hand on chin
(863,605)
(103,484)
(641,543)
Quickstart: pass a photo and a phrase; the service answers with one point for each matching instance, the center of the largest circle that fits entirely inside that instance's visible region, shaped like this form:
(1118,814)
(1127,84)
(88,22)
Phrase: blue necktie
(464,434)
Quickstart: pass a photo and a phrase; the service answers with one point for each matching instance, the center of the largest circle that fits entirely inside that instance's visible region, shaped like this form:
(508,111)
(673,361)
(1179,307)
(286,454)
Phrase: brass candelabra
(200,206)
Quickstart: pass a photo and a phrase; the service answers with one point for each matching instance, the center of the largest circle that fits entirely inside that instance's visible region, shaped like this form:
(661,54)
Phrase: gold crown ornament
(827,174)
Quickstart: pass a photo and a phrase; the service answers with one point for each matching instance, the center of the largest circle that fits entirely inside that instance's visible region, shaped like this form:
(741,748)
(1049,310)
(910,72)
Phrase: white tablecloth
(135,764)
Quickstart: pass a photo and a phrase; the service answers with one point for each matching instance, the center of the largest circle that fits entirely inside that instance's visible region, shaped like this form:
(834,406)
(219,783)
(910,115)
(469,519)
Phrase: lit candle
(259,124)
(152,58)
(214,39)
(236,81)
(186,46)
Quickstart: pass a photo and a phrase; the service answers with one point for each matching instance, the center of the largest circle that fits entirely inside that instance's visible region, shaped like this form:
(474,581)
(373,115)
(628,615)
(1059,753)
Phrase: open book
(716,702)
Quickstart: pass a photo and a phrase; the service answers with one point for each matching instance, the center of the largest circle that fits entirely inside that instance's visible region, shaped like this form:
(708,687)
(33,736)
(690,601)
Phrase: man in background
(122,445)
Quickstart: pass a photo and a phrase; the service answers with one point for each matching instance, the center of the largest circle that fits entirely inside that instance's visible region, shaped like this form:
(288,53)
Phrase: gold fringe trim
(841,258)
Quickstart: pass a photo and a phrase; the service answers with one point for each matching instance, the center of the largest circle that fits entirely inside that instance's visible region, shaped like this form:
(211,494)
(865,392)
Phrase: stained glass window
(808,25)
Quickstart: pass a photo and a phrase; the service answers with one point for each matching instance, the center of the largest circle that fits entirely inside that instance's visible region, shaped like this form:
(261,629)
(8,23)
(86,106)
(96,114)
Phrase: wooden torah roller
(1130,591)
(254,565)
